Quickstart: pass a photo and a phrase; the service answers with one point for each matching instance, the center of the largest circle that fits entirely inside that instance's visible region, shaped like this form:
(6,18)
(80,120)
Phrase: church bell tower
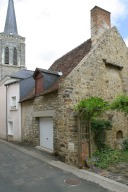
(12,45)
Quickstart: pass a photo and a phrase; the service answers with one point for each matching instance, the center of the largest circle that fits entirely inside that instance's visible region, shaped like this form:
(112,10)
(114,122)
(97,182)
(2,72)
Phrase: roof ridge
(48,71)
(87,41)
(69,61)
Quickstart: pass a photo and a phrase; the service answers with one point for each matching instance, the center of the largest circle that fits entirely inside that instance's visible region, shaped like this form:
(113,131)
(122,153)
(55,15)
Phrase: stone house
(97,67)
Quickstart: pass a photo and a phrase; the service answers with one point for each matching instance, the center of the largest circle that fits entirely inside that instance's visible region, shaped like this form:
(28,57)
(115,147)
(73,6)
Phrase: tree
(90,108)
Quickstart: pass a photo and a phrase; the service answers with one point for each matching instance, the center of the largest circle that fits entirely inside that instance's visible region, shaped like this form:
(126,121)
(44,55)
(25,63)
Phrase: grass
(108,157)
(124,155)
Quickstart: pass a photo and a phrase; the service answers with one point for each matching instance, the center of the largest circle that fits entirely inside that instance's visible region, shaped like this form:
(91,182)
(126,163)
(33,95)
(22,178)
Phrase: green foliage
(125,144)
(124,155)
(120,104)
(107,157)
(99,129)
(91,107)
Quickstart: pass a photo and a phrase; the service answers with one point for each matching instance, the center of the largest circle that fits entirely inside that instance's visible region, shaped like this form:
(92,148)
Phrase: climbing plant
(99,127)
(120,104)
(90,108)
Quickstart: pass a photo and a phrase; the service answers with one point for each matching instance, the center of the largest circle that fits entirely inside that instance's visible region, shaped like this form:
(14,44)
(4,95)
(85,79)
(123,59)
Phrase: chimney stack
(100,22)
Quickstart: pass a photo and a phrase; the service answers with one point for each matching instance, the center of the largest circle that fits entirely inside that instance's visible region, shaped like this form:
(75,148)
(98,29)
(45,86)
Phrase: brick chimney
(100,22)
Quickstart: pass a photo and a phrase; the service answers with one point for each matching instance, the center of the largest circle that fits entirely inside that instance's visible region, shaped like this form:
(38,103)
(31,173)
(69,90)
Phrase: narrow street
(20,172)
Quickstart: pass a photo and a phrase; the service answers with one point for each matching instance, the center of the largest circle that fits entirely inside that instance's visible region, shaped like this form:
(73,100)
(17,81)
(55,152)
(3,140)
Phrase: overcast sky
(54,27)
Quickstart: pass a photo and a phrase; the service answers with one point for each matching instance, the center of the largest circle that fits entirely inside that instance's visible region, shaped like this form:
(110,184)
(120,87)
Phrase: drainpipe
(6,115)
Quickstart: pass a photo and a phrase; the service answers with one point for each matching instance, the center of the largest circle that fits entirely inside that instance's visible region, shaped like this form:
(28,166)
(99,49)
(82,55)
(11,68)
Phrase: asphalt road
(20,172)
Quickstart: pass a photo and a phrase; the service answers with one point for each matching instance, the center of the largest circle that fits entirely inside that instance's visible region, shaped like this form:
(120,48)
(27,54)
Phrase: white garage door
(46,132)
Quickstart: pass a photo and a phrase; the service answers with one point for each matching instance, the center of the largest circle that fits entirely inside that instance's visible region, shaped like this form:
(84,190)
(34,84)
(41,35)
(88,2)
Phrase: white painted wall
(14,115)
(2,111)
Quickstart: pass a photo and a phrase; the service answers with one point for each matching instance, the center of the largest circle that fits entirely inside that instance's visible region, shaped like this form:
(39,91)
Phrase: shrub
(107,157)
(120,104)
(125,144)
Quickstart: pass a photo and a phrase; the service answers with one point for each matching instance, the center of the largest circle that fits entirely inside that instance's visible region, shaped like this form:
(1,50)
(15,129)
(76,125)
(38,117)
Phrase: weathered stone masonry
(92,78)
(30,109)
(101,71)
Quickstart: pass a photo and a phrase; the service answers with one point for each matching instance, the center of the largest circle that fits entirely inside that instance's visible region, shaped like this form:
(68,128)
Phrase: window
(10,127)
(14,56)
(13,102)
(119,134)
(6,55)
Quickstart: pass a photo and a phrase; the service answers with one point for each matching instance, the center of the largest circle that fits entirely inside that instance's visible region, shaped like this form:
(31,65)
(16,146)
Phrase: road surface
(20,172)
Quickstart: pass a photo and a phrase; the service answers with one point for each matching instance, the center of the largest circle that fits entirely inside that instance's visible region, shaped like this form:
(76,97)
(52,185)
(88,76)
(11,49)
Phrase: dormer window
(14,56)
(6,55)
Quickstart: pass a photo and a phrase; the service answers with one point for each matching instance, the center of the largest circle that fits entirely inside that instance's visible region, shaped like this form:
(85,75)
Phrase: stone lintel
(108,63)
(46,113)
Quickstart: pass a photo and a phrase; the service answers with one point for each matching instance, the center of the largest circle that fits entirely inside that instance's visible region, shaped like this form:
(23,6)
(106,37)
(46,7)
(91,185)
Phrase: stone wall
(47,103)
(30,123)
(28,132)
(93,78)
(8,70)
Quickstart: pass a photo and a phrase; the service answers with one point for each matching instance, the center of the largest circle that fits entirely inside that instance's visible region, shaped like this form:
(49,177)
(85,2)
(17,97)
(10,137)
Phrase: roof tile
(69,61)
(65,64)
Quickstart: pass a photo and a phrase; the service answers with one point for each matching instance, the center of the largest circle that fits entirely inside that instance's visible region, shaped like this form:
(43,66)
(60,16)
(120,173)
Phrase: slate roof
(26,85)
(25,79)
(65,64)
(22,74)
(49,77)
(30,96)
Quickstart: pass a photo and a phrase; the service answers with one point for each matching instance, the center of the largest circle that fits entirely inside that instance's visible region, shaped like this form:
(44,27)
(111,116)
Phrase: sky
(54,27)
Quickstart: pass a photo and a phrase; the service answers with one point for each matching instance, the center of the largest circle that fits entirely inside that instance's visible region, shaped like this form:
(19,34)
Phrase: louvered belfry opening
(14,56)
(6,55)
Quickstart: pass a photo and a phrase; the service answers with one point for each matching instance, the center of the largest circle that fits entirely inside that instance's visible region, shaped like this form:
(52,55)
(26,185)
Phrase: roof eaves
(10,83)
(27,99)
(30,96)
(49,91)
(46,71)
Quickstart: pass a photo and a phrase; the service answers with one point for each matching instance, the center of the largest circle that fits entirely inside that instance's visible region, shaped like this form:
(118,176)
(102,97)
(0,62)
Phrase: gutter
(6,116)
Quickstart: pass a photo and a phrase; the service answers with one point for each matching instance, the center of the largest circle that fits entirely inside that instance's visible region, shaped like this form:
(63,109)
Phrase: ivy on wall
(99,127)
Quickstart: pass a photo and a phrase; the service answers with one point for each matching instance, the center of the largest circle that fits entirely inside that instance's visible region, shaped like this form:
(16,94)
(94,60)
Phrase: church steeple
(12,45)
(10,24)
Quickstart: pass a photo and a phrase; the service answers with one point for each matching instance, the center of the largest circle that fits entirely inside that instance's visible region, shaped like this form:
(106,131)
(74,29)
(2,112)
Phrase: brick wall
(100,22)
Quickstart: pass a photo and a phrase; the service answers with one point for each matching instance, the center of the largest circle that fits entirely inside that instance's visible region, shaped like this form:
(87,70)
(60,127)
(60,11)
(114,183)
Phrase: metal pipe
(6,115)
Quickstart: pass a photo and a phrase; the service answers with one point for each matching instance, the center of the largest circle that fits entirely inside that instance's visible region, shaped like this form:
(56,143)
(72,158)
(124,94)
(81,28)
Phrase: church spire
(10,24)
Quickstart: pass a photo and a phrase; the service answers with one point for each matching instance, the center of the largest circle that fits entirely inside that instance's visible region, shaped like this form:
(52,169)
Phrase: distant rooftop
(65,65)
(22,74)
